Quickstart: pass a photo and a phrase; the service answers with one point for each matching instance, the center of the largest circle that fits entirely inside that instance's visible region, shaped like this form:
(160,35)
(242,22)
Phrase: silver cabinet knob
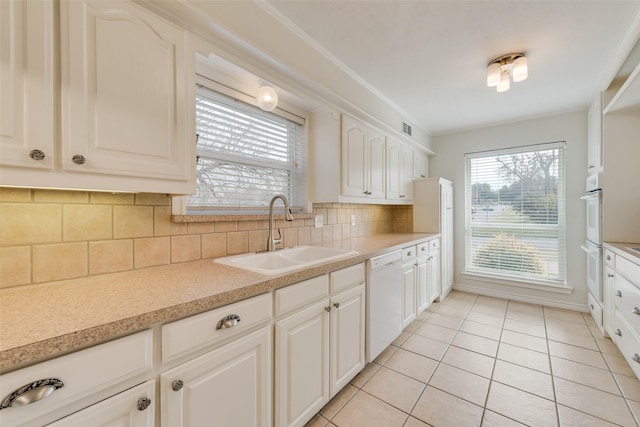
(31,393)
(336,304)
(176,385)
(636,310)
(78,159)
(228,322)
(608,257)
(619,294)
(636,358)
(592,307)
(143,403)
(328,308)
(36,154)
(618,332)
(610,275)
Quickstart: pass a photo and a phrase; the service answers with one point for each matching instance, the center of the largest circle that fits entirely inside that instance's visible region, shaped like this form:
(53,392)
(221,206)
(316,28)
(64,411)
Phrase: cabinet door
(26,85)
(126,92)
(376,163)
(132,408)
(347,336)
(302,365)
(594,137)
(354,168)
(394,170)
(609,299)
(408,293)
(407,173)
(420,165)
(423,296)
(435,288)
(229,386)
(447,238)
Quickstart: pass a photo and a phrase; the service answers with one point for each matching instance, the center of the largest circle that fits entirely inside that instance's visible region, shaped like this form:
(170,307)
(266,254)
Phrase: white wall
(449,163)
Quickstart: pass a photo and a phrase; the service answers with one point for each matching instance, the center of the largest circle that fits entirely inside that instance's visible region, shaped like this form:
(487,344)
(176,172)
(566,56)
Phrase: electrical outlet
(318,223)
(353,220)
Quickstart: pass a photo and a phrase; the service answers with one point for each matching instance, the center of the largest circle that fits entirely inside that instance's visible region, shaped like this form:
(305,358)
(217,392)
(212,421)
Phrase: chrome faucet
(271,241)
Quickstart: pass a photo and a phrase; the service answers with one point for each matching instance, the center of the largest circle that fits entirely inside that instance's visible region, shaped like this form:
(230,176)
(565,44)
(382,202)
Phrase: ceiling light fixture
(267,98)
(501,70)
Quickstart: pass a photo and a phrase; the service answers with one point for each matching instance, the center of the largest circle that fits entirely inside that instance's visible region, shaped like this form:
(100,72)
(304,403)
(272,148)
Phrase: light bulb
(493,74)
(504,83)
(267,98)
(520,71)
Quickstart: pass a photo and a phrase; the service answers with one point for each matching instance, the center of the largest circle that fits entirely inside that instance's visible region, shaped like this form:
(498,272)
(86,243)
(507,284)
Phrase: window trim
(515,279)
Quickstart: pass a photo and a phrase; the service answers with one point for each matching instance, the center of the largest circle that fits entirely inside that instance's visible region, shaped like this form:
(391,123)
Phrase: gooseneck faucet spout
(271,241)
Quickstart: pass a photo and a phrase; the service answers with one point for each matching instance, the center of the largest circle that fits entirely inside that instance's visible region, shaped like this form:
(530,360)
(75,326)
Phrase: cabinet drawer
(302,293)
(627,301)
(628,342)
(408,252)
(629,270)
(347,277)
(596,310)
(434,244)
(199,331)
(84,373)
(609,258)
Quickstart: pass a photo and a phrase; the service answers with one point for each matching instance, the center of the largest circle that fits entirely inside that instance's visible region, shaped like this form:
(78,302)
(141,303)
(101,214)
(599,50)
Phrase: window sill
(530,284)
(235,217)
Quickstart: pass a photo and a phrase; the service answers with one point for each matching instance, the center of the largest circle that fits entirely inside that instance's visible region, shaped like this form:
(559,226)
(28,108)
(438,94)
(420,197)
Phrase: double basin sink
(285,260)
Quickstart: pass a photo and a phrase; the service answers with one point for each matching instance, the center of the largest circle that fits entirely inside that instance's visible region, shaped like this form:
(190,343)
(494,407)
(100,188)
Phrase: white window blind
(515,225)
(245,156)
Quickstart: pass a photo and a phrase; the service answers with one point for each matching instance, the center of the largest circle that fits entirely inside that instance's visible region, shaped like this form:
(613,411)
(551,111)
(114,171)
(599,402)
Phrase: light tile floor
(480,361)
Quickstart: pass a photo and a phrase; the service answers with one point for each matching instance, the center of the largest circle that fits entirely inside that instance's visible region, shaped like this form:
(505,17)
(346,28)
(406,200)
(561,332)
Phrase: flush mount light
(502,70)
(267,98)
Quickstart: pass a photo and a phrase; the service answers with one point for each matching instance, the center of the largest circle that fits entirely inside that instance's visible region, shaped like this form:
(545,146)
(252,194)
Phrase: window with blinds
(515,225)
(245,156)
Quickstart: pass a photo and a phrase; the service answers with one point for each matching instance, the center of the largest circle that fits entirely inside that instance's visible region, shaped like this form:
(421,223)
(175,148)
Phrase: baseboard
(522,298)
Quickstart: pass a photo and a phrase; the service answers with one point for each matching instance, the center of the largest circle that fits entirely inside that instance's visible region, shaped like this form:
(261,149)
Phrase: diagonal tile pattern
(479,361)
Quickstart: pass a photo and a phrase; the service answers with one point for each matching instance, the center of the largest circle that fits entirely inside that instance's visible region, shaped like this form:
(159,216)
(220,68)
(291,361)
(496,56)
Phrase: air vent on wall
(406,129)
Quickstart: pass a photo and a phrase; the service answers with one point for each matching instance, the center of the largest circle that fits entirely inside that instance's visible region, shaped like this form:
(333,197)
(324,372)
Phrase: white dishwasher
(384,302)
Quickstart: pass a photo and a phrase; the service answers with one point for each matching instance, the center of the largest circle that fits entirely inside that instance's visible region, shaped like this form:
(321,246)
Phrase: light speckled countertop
(42,321)
(623,249)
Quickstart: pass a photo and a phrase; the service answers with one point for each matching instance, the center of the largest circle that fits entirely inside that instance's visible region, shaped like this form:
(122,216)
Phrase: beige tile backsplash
(48,235)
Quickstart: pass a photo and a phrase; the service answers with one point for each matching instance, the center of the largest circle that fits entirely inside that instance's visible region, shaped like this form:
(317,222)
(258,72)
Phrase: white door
(408,293)
(229,386)
(131,408)
(26,85)
(376,163)
(354,169)
(394,170)
(127,92)
(423,296)
(347,336)
(301,365)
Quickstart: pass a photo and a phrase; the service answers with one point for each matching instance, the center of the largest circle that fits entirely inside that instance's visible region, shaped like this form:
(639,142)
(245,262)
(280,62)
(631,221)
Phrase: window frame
(504,276)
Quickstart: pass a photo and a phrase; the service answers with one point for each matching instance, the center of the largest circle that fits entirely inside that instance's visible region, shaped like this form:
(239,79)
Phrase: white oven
(593,232)
(594,208)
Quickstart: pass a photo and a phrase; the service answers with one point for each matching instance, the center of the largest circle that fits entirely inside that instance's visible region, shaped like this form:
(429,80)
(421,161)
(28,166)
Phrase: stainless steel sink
(285,260)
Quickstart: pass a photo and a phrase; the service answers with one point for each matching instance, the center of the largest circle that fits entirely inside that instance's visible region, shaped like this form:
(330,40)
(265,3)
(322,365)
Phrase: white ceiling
(429,58)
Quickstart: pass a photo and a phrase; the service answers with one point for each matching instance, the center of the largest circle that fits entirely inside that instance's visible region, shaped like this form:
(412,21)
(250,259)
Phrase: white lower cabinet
(433,267)
(228,386)
(409,276)
(131,408)
(319,348)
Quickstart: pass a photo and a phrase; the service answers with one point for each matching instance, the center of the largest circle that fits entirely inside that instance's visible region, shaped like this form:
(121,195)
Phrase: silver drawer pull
(176,385)
(228,322)
(609,275)
(619,294)
(78,159)
(618,332)
(143,403)
(636,310)
(592,307)
(36,154)
(608,257)
(31,393)
(636,358)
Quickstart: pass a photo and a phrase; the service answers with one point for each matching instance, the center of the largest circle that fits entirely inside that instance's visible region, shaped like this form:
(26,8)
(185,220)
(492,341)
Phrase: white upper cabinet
(126,86)
(26,84)
(363,160)
(420,165)
(594,137)
(399,171)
